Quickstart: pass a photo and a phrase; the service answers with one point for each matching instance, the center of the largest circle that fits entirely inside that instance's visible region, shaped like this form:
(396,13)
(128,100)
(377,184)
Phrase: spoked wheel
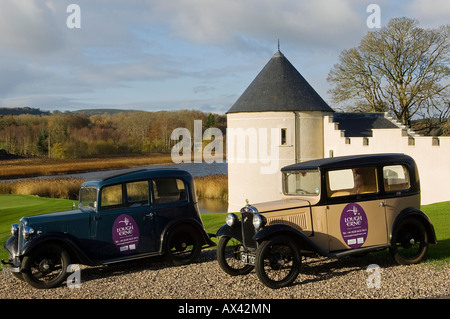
(278,262)
(229,257)
(183,246)
(409,242)
(46,266)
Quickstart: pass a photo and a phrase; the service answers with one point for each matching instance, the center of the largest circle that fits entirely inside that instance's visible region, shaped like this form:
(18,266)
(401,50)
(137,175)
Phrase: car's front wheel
(229,252)
(278,262)
(409,242)
(46,266)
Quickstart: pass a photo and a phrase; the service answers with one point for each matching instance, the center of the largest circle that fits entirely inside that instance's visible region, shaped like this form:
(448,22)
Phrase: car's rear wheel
(183,245)
(46,266)
(229,257)
(278,262)
(409,242)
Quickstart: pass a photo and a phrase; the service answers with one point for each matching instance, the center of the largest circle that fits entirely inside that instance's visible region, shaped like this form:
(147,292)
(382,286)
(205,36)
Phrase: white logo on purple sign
(354,225)
(125,234)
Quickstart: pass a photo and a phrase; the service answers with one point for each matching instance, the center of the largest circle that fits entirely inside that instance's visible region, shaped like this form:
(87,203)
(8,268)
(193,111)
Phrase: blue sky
(175,54)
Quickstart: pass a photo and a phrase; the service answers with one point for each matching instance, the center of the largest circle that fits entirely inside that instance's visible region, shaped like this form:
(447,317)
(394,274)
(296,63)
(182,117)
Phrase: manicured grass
(13,207)
(439,214)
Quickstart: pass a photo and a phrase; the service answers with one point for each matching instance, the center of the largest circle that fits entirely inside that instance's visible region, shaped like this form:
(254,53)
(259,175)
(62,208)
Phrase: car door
(355,216)
(397,186)
(124,224)
(170,202)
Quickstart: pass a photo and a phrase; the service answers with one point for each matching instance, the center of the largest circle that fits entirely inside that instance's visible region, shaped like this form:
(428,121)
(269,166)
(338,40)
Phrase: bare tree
(399,69)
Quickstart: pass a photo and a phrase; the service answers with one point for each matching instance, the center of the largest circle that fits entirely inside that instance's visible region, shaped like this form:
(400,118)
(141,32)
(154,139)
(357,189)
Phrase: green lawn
(439,214)
(13,207)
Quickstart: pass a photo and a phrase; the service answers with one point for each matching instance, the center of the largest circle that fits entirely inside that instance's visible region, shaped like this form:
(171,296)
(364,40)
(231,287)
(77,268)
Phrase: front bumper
(13,265)
(13,262)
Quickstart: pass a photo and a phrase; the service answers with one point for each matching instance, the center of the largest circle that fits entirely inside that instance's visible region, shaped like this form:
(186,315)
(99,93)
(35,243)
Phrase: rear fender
(421,216)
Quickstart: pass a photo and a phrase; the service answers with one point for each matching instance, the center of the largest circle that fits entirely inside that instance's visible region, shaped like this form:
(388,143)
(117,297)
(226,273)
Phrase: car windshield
(88,198)
(305,182)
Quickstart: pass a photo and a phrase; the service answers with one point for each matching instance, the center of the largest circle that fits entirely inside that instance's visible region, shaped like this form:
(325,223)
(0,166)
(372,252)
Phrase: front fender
(234,231)
(303,241)
(65,241)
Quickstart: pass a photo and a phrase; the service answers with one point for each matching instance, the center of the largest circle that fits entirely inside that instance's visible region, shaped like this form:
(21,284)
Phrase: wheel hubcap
(44,266)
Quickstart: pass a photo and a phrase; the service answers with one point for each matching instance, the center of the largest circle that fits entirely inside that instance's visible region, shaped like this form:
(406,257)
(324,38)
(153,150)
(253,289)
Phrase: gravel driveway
(346,278)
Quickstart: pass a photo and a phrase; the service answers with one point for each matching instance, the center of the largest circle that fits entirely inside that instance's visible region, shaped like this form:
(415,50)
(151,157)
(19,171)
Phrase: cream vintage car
(331,207)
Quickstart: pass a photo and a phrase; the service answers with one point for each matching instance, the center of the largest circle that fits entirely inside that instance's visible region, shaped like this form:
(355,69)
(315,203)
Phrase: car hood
(52,217)
(69,222)
(281,205)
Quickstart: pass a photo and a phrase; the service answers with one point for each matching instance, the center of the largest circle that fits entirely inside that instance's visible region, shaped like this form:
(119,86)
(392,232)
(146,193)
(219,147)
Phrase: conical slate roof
(279,87)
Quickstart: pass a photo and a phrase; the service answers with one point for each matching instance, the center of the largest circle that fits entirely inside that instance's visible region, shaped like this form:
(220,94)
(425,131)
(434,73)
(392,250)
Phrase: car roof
(138,174)
(351,161)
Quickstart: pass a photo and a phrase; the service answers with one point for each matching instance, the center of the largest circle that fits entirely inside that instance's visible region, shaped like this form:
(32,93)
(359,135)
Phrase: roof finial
(278,44)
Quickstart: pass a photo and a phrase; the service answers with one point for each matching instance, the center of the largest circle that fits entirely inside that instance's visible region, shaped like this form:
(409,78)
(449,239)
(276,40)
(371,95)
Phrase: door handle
(150,216)
(382,204)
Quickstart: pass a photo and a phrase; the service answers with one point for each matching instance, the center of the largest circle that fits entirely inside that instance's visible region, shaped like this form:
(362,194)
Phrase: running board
(357,251)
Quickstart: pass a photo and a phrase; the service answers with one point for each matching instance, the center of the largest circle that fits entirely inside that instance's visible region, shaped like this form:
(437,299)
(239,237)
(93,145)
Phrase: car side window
(396,178)
(137,193)
(112,196)
(354,181)
(168,190)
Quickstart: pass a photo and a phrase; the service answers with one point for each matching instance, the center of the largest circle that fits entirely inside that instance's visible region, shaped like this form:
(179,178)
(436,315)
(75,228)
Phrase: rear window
(396,178)
(168,190)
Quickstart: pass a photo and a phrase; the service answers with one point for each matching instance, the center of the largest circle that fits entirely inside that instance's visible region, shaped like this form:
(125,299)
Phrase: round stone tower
(277,121)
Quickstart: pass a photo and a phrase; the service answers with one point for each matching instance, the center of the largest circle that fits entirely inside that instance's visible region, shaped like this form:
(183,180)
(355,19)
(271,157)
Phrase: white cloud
(223,22)
(430,12)
(179,49)
(28,27)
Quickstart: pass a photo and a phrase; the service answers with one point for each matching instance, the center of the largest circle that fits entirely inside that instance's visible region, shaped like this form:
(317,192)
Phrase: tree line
(82,135)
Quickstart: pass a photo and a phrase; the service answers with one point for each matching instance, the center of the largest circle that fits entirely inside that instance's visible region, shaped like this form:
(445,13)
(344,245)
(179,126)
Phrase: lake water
(196,169)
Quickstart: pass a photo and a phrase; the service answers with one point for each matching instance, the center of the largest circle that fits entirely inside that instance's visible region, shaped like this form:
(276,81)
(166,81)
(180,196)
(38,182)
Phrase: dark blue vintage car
(122,217)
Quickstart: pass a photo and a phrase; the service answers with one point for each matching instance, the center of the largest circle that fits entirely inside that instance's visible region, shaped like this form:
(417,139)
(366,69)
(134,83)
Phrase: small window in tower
(283,136)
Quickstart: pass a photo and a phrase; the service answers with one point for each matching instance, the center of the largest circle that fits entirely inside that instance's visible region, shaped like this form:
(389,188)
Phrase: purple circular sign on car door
(125,234)
(354,225)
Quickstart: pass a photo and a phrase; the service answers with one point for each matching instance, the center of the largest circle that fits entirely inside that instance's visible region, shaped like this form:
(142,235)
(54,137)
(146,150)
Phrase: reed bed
(66,188)
(30,167)
(212,187)
(208,187)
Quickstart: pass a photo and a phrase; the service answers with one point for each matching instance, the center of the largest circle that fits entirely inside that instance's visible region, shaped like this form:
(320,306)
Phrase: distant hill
(90,112)
(22,110)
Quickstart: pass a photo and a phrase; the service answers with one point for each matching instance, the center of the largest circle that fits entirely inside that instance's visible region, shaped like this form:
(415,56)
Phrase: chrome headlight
(231,219)
(14,230)
(258,221)
(27,232)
